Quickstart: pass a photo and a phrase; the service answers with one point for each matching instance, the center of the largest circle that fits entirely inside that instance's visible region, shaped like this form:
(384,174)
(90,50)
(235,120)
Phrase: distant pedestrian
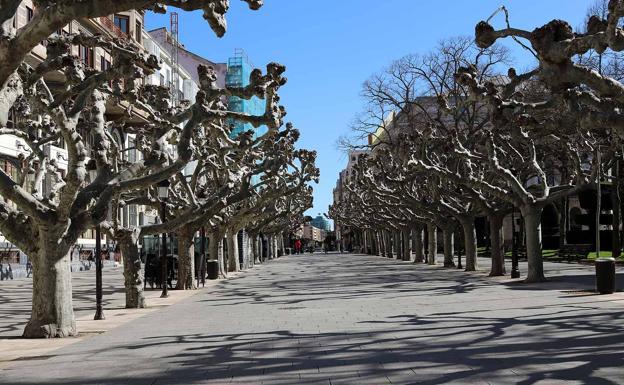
(298,246)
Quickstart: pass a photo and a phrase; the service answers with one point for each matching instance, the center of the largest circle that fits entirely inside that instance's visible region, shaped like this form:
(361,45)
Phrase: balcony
(109,25)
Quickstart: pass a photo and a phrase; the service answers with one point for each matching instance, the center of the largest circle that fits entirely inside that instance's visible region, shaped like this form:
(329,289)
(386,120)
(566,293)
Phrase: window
(86,55)
(137,31)
(11,118)
(122,22)
(131,150)
(104,64)
(162,79)
(30,13)
(9,168)
(132,215)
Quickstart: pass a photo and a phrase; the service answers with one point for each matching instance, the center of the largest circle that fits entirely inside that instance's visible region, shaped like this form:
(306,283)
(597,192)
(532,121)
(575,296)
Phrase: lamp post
(99,311)
(515,272)
(202,253)
(163,194)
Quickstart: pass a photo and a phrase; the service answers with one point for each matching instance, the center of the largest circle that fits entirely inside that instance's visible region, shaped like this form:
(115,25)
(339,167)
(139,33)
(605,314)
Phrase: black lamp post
(163,194)
(202,253)
(515,272)
(99,311)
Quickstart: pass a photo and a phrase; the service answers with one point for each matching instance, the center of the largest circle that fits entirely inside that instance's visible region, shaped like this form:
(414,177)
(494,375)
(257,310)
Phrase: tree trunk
(382,244)
(497,249)
(186,259)
(407,245)
(52,312)
(470,243)
(432,237)
(232,251)
(281,244)
(390,253)
(216,252)
(419,251)
(396,241)
(533,235)
(563,213)
(274,245)
(447,234)
(133,270)
(253,248)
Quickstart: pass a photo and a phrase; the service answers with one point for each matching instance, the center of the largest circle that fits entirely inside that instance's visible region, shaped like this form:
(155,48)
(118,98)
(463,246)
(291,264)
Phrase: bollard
(212,268)
(605,275)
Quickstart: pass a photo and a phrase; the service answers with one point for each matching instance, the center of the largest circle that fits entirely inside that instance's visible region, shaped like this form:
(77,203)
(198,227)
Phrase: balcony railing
(106,22)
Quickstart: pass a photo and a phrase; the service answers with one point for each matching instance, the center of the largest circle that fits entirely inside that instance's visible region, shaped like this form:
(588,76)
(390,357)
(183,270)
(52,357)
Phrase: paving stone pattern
(347,319)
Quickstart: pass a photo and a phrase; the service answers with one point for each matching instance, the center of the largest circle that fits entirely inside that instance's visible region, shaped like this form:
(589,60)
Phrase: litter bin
(212,268)
(605,275)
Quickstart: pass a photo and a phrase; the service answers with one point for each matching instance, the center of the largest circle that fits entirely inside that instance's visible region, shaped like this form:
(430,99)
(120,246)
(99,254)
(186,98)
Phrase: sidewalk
(15,297)
(355,319)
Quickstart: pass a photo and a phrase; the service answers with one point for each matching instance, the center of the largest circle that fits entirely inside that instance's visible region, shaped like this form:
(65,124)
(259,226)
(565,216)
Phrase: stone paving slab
(352,319)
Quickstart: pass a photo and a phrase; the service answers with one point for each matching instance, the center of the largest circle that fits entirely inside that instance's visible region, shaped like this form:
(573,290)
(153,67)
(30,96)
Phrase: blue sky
(330,47)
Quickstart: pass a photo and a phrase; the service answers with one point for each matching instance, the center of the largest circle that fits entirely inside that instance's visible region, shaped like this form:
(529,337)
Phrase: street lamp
(163,194)
(99,311)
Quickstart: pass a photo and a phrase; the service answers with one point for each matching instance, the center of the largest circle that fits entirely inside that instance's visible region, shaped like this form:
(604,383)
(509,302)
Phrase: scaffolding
(238,73)
(175,67)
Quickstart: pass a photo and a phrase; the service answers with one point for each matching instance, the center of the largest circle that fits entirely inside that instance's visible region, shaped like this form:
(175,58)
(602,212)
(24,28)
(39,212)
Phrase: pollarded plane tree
(45,224)
(372,204)
(426,101)
(285,173)
(594,98)
(52,15)
(521,157)
(446,150)
(383,183)
(284,215)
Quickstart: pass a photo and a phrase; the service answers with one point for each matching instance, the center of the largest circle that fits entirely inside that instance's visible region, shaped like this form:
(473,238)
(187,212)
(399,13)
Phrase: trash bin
(605,275)
(212,268)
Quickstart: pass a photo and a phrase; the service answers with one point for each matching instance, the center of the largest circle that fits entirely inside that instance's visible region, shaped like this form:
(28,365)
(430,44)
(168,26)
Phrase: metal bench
(574,253)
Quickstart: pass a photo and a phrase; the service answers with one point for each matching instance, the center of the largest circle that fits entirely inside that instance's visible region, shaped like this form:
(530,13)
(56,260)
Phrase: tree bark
(432,237)
(133,270)
(52,312)
(407,245)
(447,234)
(232,251)
(419,252)
(382,244)
(533,235)
(470,243)
(186,259)
(390,253)
(497,249)
(396,237)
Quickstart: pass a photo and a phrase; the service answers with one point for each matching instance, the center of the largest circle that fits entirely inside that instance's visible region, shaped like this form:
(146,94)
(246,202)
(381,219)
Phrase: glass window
(30,13)
(137,31)
(132,215)
(122,22)
(104,64)
(86,55)
(131,151)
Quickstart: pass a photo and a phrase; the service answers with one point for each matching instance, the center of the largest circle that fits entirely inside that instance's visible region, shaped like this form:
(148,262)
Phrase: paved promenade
(346,319)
